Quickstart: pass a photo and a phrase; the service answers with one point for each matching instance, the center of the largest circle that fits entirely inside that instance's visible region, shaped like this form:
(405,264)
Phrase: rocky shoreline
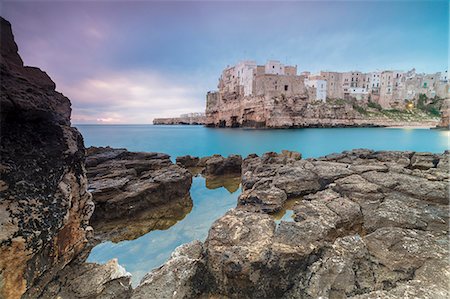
(198,120)
(366,224)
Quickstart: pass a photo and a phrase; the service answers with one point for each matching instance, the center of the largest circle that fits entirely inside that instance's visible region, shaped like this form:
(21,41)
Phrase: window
(286,87)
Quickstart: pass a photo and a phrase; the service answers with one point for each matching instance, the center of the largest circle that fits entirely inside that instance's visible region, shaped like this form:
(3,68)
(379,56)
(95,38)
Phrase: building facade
(389,88)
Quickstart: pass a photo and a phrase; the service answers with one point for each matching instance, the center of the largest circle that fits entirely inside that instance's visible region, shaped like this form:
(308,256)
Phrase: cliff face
(197,120)
(445,115)
(44,205)
(275,110)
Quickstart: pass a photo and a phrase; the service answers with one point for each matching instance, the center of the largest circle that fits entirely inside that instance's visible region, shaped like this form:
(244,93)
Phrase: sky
(129,62)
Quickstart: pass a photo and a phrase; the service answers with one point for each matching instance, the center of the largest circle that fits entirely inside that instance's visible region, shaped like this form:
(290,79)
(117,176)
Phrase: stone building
(334,84)
(389,88)
(319,84)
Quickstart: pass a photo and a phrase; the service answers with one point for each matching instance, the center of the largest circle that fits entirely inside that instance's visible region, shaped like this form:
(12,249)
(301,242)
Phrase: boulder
(90,280)
(124,183)
(218,165)
(179,277)
(187,161)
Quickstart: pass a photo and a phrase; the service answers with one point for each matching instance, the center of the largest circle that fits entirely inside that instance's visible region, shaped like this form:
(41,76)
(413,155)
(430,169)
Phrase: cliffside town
(274,95)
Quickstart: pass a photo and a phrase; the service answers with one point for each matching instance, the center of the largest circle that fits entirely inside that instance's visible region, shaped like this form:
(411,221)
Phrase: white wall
(320,86)
(244,73)
(274,67)
(374,80)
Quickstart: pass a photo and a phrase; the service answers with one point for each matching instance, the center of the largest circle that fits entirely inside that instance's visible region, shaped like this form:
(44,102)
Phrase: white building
(320,86)
(244,72)
(274,67)
(358,93)
(374,80)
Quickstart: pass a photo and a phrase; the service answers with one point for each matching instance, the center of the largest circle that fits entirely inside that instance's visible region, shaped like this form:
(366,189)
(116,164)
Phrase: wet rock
(44,205)
(90,280)
(126,183)
(218,165)
(367,224)
(267,200)
(178,277)
(187,161)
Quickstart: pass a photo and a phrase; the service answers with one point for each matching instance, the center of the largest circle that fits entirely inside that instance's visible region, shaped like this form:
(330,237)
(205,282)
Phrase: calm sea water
(201,141)
(149,251)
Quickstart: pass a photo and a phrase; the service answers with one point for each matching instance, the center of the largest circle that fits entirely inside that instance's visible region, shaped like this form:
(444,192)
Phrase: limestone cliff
(196,120)
(445,115)
(44,205)
(277,110)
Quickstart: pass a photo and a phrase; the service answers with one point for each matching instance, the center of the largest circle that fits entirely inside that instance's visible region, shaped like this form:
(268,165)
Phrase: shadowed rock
(44,205)
(126,183)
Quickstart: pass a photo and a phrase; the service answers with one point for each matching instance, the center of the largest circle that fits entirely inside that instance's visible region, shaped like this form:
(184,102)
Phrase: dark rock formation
(366,224)
(126,183)
(218,165)
(44,205)
(187,161)
(215,165)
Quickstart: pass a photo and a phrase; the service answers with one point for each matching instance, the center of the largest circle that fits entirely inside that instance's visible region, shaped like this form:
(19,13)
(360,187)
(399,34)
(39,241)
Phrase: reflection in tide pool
(151,250)
(287,212)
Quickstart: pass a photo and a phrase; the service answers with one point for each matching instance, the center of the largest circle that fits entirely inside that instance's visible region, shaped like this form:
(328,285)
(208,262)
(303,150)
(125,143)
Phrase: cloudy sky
(128,62)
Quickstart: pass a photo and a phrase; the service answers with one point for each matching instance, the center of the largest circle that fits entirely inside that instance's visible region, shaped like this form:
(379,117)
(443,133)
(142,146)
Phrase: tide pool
(212,199)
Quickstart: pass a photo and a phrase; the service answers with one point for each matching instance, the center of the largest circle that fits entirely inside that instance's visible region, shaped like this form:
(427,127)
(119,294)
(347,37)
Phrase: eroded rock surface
(44,205)
(178,277)
(215,165)
(124,183)
(90,280)
(366,224)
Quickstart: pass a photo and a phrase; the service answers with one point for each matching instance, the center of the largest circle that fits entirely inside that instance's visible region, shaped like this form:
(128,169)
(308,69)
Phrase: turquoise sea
(201,141)
(210,201)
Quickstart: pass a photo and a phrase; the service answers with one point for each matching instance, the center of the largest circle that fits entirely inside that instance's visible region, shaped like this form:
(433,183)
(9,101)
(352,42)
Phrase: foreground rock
(177,277)
(44,205)
(366,225)
(125,184)
(89,280)
(215,165)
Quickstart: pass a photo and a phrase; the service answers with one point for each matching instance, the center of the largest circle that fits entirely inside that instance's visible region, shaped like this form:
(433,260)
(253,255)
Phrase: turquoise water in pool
(149,251)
